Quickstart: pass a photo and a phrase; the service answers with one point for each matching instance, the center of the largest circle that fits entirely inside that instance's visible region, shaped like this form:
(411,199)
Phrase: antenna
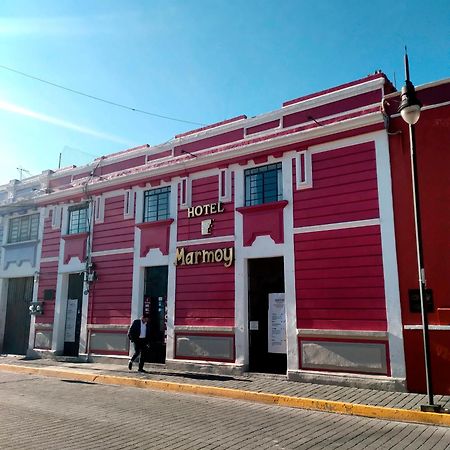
(22,171)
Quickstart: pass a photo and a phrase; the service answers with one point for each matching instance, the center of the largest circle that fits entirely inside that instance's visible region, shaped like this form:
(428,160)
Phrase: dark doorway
(73,314)
(155,304)
(17,326)
(266,276)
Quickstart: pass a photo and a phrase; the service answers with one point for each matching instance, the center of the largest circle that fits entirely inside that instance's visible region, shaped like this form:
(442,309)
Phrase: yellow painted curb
(378,412)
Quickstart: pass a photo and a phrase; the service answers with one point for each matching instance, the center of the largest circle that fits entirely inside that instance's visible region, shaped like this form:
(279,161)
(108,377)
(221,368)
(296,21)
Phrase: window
(263,184)
(78,222)
(156,204)
(23,228)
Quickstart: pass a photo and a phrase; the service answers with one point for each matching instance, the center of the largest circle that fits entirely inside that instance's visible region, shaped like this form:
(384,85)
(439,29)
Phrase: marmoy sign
(219,255)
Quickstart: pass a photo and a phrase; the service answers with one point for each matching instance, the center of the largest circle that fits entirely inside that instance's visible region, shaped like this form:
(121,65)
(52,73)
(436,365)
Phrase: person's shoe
(142,370)
(130,365)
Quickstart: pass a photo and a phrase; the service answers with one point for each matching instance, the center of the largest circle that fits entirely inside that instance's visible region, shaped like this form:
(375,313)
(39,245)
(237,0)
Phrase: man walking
(139,335)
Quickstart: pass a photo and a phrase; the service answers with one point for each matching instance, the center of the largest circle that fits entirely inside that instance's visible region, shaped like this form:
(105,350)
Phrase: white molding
(337,226)
(185,188)
(117,251)
(57,211)
(215,154)
(213,240)
(430,327)
(225,193)
(50,259)
(171,277)
(99,209)
(240,276)
(336,95)
(336,144)
(305,157)
(111,327)
(112,194)
(342,334)
(129,197)
(389,255)
(31,336)
(289,267)
(204,328)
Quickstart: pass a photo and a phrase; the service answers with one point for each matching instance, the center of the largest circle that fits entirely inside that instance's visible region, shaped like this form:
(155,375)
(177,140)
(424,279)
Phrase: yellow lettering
(198,210)
(218,254)
(197,254)
(190,258)
(179,256)
(220,207)
(228,256)
(208,256)
(213,208)
(190,212)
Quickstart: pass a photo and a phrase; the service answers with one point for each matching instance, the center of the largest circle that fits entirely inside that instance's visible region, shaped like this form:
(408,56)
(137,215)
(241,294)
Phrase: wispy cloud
(10,107)
(65,25)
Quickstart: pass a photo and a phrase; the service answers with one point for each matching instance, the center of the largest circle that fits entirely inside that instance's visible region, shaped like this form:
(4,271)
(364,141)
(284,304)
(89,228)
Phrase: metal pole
(420,265)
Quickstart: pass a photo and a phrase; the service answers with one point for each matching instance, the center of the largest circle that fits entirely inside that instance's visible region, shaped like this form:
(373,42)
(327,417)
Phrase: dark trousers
(140,348)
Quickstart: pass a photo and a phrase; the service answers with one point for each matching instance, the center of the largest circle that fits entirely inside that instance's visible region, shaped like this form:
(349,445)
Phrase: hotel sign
(219,255)
(203,210)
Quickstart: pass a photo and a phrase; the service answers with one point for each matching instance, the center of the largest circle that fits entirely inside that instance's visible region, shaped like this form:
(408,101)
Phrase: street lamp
(410,111)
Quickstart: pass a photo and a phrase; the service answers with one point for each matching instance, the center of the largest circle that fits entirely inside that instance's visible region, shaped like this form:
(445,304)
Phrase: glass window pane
(156,204)
(263,184)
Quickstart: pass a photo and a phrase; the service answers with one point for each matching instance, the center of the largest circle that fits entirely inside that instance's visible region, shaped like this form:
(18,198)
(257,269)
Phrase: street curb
(378,412)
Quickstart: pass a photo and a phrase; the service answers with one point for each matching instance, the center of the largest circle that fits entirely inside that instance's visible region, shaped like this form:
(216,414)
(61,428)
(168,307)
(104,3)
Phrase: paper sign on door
(276,324)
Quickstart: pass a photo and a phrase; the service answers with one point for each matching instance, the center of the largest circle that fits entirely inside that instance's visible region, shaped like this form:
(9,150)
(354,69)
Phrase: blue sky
(197,60)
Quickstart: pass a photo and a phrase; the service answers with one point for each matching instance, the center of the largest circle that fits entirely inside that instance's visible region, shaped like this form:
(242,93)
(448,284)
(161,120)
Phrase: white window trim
(8,228)
(99,209)
(185,185)
(129,197)
(303,161)
(225,185)
(56,217)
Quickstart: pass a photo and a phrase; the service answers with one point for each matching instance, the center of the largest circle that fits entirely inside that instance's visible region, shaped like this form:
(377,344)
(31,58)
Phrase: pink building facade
(265,244)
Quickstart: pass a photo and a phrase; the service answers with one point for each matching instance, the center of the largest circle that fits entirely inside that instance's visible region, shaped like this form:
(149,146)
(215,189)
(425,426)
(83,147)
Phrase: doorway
(17,326)
(266,278)
(155,305)
(73,314)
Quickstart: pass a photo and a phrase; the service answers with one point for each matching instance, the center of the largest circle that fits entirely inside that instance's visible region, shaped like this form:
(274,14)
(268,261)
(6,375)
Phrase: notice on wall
(71,320)
(276,324)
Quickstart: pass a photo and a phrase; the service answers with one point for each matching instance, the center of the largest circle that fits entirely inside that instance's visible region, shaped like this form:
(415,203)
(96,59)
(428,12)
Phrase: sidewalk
(274,389)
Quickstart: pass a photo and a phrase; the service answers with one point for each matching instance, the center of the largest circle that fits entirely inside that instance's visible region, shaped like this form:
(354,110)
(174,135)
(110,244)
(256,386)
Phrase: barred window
(78,219)
(24,228)
(263,184)
(156,204)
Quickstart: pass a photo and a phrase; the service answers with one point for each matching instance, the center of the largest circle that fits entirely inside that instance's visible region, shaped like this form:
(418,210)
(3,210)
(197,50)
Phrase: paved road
(45,413)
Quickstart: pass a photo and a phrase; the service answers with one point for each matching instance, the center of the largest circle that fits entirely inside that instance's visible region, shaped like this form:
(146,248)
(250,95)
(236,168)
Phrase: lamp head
(410,105)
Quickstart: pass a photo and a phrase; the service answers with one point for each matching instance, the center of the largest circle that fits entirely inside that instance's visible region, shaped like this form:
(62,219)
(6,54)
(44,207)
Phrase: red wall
(344,187)
(339,279)
(50,240)
(115,232)
(47,280)
(433,158)
(110,295)
(206,191)
(205,292)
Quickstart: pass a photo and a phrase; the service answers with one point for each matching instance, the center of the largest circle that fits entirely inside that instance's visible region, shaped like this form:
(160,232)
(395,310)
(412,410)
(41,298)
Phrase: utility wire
(93,97)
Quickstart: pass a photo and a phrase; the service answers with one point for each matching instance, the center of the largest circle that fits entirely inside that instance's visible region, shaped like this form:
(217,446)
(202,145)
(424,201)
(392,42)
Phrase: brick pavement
(62,415)
(252,382)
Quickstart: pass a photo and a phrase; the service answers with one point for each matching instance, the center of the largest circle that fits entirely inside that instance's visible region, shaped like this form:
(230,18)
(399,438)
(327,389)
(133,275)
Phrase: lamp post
(410,111)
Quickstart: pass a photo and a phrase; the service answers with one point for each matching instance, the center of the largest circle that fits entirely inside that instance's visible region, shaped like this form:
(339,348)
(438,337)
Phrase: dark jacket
(135,330)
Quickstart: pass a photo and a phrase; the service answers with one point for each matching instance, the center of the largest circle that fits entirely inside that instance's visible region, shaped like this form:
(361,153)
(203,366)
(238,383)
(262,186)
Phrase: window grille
(263,184)
(24,228)
(156,204)
(78,219)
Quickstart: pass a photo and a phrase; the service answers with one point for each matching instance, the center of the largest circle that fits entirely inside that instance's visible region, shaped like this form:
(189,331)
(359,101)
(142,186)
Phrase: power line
(93,97)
